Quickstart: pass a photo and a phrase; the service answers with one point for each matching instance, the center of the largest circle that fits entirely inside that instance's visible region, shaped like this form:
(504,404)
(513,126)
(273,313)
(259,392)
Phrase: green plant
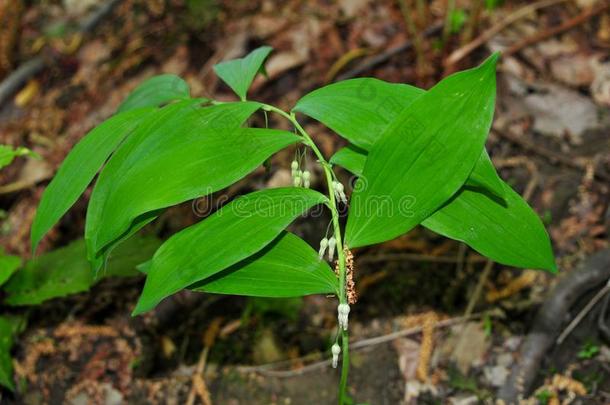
(8,153)
(419,157)
(589,350)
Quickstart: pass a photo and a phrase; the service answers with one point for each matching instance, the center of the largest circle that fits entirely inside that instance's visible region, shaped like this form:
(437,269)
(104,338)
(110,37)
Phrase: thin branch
(465,50)
(267,369)
(566,26)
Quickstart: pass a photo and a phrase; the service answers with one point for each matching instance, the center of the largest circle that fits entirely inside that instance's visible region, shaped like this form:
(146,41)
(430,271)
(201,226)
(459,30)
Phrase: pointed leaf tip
(492,60)
(238,74)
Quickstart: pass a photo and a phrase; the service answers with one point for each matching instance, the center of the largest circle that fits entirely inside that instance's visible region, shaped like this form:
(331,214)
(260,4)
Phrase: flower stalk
(335,192)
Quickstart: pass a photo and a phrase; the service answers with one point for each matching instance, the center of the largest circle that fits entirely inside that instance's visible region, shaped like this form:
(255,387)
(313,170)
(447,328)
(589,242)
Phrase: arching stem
(337,233)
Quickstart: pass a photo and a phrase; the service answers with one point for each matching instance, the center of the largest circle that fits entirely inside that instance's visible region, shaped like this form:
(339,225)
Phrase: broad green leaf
(287,267)
(358,109)
(10,326)
(423,157)
(508,232)
(238,74)
(66,271)
(482,221)
(235,232)
(351,158)
(8,153)
(483,176)
(468,217)
(361,109)
(187,153)
(8,265)
(79,168)
(155,92)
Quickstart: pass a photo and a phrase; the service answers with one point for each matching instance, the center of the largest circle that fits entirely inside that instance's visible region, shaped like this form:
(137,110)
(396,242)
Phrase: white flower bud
(297,180)
(336,350)
(323,246)
(343,315)
(306,178)
(294,165)
(332,243)
(339,192)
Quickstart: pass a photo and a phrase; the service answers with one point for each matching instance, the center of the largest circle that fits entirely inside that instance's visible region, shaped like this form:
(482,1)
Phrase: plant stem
(337,234)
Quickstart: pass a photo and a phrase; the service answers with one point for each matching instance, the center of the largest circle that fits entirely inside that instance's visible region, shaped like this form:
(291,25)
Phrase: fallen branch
(566,26)
(465,50)
(548,323)
(268,369)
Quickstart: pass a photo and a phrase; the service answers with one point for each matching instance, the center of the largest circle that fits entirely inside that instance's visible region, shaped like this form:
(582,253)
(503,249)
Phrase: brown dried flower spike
(350,285)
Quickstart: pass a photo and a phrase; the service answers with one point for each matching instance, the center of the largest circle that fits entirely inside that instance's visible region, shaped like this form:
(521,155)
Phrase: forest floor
(435,323)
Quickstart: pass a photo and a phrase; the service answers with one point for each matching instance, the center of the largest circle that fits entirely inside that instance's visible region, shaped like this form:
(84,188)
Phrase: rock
(110,395)
(559,110)
(465,399)
(600,87)
(573,70)
(496,375)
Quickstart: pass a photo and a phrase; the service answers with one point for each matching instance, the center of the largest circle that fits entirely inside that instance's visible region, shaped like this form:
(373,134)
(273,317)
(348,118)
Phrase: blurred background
(435,322)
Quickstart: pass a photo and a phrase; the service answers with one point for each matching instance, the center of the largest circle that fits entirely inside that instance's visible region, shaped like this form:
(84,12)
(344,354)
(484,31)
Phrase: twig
(197,377)
(600,294)
(373,61)
(567,25)
(465,50)
(266,368)
(479,288)
(37,64)
(417,40)
(547,325)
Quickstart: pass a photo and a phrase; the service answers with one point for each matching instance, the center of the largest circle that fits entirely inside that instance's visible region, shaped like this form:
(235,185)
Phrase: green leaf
(458,19)
(185,153)
(66,271)
(79,168)
(287,267)
(423,157)
(360,110)
(238,74)
(10,326)
(155,92)
(483,176)
(482,221)
(8,265)
(8,153)
(235,232)
(510,233)
(351,158)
